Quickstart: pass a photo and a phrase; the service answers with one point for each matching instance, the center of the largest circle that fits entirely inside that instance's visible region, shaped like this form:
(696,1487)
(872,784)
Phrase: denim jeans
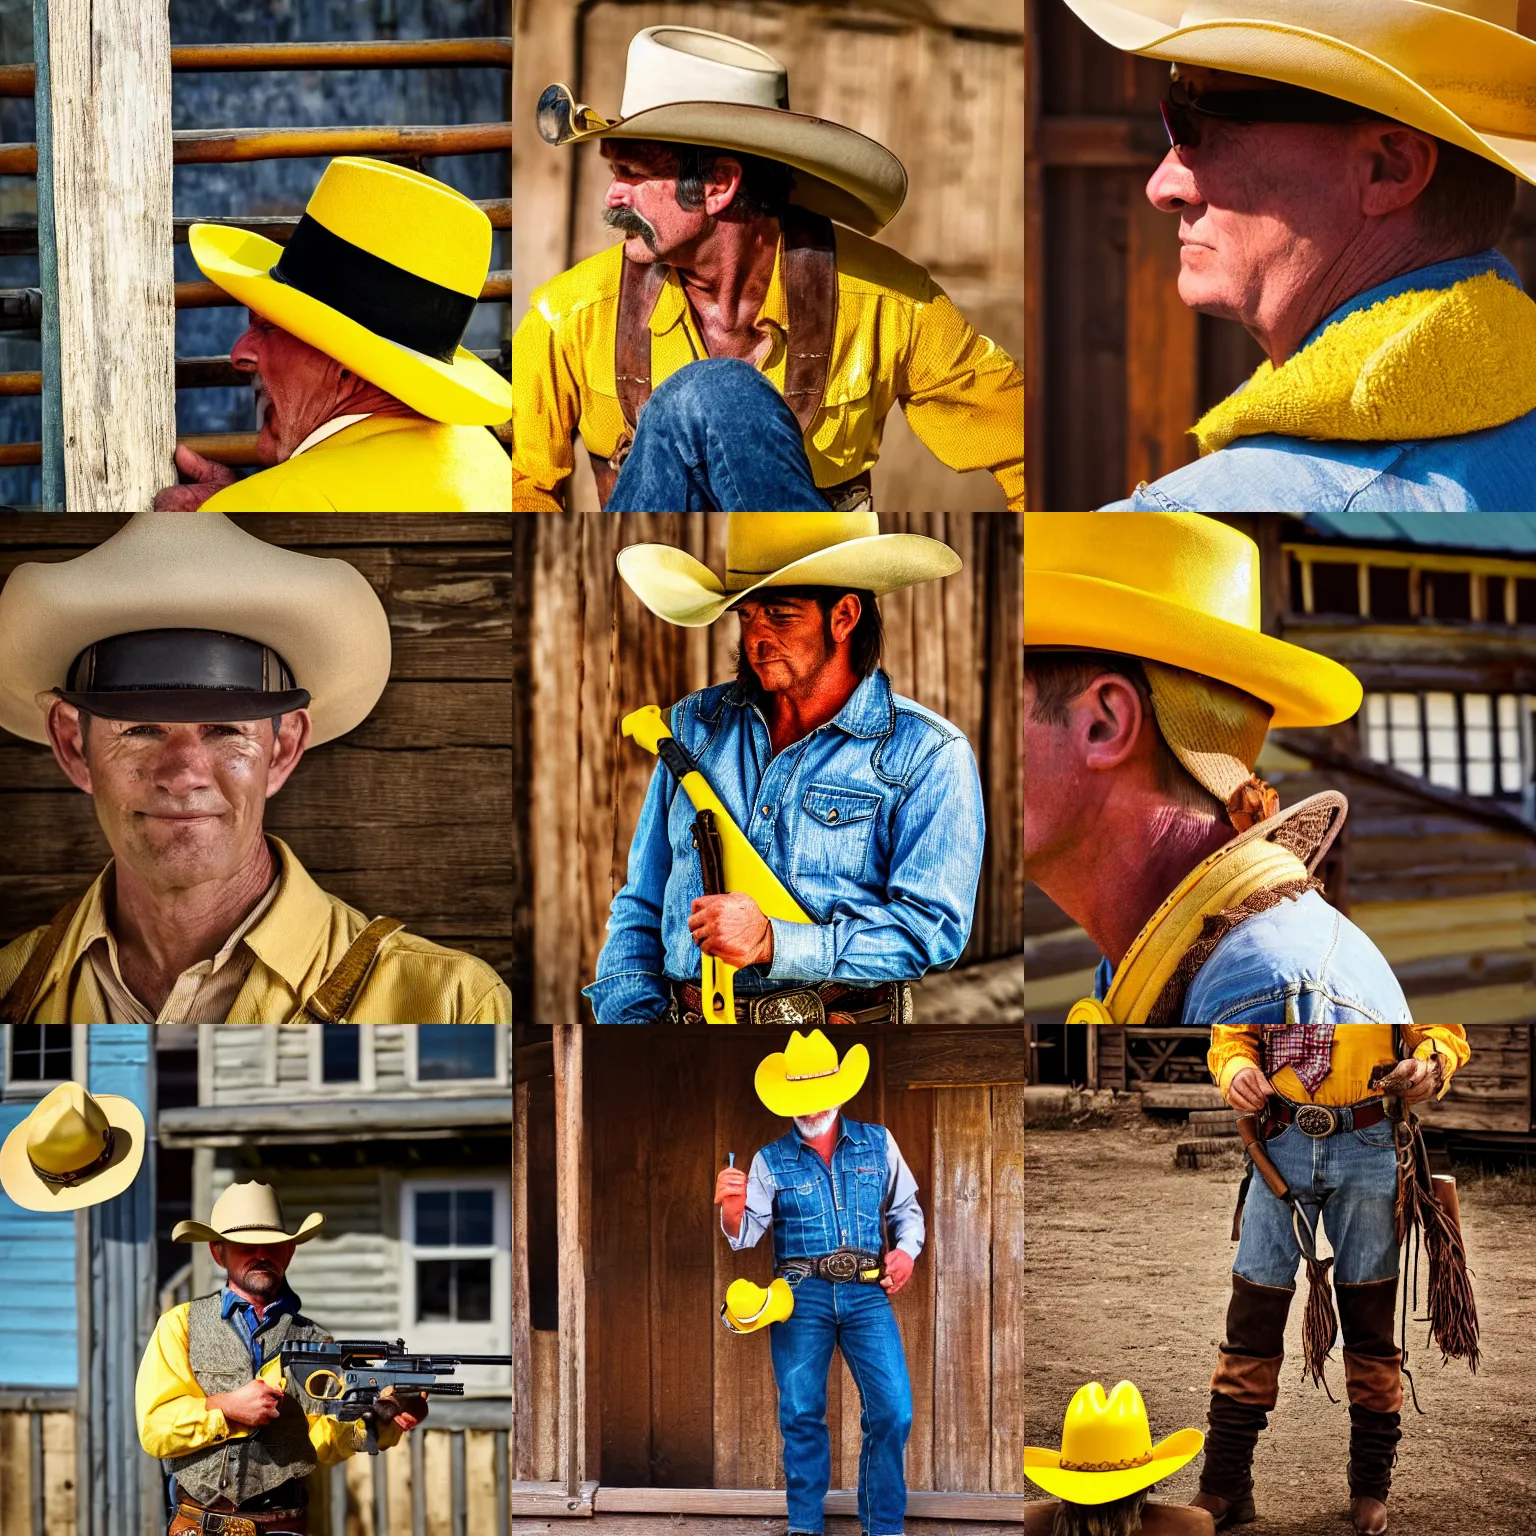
(857,1319)
(717,437)
(1351,1178)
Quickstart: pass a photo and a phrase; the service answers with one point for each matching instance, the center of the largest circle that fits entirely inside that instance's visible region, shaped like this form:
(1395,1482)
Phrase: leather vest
(244,1468)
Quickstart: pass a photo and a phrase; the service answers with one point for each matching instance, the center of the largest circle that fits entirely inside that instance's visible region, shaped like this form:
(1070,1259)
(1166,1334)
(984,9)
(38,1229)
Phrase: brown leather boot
(1373,1378)
(1225,1512)
(1369,1516)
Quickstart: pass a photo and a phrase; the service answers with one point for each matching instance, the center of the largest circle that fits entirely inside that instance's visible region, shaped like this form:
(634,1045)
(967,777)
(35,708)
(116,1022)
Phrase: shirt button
(765,812)
(831,815)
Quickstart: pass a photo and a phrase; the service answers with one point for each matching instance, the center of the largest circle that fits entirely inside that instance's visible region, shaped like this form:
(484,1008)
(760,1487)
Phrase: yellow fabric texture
(1216,731)
(298,942)
(898,340)
(1356,1049)
(383,464)
(1425,364)
(173,1413)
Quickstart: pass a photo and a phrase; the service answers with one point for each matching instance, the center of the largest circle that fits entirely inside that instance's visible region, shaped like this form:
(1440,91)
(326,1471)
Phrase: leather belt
(266,1522)
(805,1008)
(842,1266)
(1322,1120)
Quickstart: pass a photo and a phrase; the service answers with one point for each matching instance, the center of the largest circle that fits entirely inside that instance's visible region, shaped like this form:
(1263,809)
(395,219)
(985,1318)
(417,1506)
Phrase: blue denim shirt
(873,822)
(1490,471)
(250,1327)
(813,1208)
(1301,962)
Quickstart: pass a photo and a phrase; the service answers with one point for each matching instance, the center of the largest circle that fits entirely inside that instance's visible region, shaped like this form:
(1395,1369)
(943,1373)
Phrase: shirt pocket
(835,835)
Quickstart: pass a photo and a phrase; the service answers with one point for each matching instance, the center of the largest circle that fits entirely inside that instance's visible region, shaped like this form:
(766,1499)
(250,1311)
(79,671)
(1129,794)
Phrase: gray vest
(246,1468)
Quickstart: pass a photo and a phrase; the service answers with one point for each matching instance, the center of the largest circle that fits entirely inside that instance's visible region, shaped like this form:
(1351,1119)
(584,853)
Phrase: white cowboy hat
(782,549)
(1462,70)
(169,572)
(686,86)
(250,1214)
(73,1150)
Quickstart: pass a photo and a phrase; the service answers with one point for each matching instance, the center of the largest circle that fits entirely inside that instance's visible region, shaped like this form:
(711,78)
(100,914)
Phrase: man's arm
(1235,1049)
(545,410)
(757,1212)
(1445,1043)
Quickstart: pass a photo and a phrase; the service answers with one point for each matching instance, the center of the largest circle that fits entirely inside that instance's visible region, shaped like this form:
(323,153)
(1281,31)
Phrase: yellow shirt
(898,340)
(1356,1049)
(297,942)
(175,1419)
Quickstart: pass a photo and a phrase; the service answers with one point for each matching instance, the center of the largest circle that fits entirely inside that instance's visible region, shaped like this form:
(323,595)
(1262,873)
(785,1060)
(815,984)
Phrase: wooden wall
(418,812)
(941,84)
(37,1471)
(953,645)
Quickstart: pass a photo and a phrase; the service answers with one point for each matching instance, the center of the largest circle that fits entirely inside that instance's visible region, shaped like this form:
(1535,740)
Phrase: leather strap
(332,1000)
(1363,1115)
(844,1006)
(21,997)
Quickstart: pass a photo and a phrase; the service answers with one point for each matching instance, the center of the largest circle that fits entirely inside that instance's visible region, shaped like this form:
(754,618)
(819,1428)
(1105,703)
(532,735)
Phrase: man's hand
(1249,1091)
(250,1406)
(206,476)
(898,1270)
(1414,1080)
(731,1197)
(403,1412)
(732,928)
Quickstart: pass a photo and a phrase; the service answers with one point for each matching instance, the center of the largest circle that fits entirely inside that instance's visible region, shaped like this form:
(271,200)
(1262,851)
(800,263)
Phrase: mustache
(631,223)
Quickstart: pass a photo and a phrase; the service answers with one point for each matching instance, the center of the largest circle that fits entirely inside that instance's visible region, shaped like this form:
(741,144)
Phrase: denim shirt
(873,822)
(1488,471)
(814,1208)
(250,1327)
(1301,962)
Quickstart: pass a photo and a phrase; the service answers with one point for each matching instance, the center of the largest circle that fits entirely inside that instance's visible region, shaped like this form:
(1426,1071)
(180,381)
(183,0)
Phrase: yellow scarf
(1430,363)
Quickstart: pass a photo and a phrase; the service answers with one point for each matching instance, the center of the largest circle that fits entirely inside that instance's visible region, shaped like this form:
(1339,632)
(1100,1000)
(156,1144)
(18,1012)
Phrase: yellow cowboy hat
(805,1078)
(1106,1449)
(782,549)
(1174,587)
(73,1150)
(247,1213)
(383,274)
(748,1307)
(1459,69)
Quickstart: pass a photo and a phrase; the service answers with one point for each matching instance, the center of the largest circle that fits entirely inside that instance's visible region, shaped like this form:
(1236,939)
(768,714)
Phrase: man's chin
(269,451)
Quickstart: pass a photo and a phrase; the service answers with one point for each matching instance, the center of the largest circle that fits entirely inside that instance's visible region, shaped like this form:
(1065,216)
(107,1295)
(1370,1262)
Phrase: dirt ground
(1129,1260)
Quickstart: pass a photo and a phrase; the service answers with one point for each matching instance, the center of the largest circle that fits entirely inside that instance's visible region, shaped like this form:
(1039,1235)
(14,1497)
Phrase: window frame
(469,1085)
(30,1090)
(1522,795)
(367,1070)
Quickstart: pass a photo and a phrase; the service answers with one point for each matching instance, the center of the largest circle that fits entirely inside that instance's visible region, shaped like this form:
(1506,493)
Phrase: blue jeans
(1351,1178)
(858,1320)
(717,437)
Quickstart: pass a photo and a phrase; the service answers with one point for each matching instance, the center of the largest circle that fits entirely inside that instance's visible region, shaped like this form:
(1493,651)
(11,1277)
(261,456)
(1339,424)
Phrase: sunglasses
(1183,111)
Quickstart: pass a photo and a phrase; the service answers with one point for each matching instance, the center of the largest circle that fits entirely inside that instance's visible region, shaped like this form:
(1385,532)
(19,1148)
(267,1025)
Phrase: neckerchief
(1307,1049)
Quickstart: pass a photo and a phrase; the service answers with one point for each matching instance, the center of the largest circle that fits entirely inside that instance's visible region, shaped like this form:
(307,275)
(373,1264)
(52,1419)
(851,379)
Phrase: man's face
(784,639)
(296,386)
(1053,783)
(642,201)
(814,1126)
(257,1269)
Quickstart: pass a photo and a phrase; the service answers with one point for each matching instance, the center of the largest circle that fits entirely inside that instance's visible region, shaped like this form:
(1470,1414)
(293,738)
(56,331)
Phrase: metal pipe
(498,285)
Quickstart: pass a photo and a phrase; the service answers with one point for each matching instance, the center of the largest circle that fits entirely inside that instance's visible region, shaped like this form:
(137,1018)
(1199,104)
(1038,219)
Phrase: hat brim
(201,1232)
(28,1189)
(1088,612)
(810,1098)
(1396,43)
(778,1303)
(1043,1468)
(464,392)
(680,589)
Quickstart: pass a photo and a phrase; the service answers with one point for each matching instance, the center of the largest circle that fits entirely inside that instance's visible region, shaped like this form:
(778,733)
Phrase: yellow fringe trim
(1429,363)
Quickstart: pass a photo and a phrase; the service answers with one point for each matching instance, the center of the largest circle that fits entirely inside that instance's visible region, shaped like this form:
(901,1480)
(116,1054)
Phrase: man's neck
(824,1144)
(363,399)
(725,276)
(260,1306)
(794,714)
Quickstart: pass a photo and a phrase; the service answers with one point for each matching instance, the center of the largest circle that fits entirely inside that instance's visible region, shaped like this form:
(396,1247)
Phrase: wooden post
(109,111)
(570,1225)
(522,1352)
(545,51)
(47,271)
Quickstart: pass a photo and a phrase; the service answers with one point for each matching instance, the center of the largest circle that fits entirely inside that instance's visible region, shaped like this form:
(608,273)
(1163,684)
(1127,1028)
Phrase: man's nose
(1173,186)
(243,354)
(618,194)
(184,763)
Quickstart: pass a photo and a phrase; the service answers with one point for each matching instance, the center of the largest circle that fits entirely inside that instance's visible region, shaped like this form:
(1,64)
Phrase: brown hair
(1469,200)
(1119,1517)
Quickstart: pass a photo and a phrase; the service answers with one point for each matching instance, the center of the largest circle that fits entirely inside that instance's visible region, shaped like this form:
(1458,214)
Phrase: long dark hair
(865,643)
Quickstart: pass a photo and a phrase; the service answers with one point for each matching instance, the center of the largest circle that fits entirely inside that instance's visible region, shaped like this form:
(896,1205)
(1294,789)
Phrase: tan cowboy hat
(250,1214)
(383,273)
(805,1078)
(748,1307)
(1106,1449)
(782,549)
(301,625)
(1462,70)
(686,86)
(73,1150)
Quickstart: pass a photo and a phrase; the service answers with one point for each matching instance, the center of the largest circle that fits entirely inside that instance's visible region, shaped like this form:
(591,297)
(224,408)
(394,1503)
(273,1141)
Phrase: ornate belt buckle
(841,1265)
(1316,1121)
(800,1010)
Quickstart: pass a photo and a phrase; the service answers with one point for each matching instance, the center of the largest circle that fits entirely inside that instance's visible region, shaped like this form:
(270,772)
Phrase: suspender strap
(332,1000)
(21,998)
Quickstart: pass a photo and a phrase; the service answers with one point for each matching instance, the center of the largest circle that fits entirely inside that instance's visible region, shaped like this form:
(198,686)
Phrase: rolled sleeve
(757,1218)
(904,1215)
(172,1409)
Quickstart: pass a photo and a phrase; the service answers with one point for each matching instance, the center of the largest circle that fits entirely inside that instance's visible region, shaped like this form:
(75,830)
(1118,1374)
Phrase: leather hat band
(383,298)
(75,1175)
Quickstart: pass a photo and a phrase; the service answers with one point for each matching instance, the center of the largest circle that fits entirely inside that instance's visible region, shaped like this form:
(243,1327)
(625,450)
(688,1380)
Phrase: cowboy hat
(1106,1449)
(782,549)
(748,1307)
(686,86)
(183,617)
(1174,587)
(1459,69)
(383,274)
(248,1214)
(805,1078)
(73,1150)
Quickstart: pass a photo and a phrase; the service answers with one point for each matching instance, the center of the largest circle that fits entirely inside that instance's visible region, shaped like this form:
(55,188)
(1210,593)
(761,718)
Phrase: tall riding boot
(1243,1391)
(1373,1376)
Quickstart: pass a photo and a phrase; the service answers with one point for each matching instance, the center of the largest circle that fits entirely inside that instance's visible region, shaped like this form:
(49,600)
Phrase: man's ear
(722,184)
(292,739)
(844,618)
(1110,715)
(1404,165)
(66,735)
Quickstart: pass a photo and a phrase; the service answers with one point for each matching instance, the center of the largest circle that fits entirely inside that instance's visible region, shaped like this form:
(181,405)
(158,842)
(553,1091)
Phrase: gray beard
(812,1126)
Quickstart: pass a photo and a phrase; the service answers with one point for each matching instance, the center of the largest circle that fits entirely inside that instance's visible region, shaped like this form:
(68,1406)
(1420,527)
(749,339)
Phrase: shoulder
(918,737)
(922,722)
(703,709)
(435,984)
(865,266)
(589,283)
(14,957)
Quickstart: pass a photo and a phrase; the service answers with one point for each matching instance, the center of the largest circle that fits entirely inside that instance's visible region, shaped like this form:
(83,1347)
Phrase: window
(340,1053)
(41,1053)
(454,1289)
(1472,742)
(452,1052)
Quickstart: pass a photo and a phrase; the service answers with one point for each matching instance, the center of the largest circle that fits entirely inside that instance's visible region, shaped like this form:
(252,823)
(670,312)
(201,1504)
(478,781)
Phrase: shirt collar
(867,713)
(287,1301)
(293,930)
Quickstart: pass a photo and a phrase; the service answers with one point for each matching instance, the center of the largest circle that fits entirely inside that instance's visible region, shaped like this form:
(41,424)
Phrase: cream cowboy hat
(686,86)
(748,1307)
(383,274)
(805,1078)
(1178,588)
(1106,1449)
(191,618)
(782,549)
(249,1214)
(73,1150)
(1460,69)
